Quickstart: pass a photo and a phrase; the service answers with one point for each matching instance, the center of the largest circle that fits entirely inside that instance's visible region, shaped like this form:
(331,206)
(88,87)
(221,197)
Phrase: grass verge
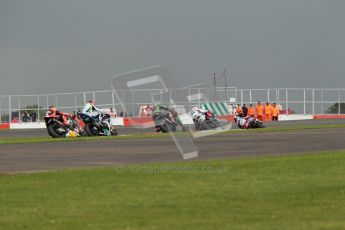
(287,192)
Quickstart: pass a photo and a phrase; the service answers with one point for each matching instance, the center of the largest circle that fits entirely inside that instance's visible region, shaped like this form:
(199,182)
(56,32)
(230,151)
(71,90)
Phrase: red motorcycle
(56,128)
(248,122)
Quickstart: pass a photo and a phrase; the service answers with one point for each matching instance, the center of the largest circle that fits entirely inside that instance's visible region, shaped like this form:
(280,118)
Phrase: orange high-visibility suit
(260,111)
(275,113)
(251,111)
(239,111)
(268,112)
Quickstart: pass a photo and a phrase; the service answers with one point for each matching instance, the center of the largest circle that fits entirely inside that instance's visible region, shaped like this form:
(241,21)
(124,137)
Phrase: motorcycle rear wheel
(208,124)
(163,128)
(53,133)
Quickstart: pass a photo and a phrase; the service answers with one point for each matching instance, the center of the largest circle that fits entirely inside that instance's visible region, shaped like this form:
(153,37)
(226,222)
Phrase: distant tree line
(334,109)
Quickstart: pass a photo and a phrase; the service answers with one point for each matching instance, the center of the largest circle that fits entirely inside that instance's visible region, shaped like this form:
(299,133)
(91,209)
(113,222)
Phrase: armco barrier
(147,121)
(4,126)
(329,116)
(137,121)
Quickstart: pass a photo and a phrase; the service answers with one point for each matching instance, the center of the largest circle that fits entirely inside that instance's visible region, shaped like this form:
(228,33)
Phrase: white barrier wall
(186,119)
(42,125)
(28,125)
(295,117)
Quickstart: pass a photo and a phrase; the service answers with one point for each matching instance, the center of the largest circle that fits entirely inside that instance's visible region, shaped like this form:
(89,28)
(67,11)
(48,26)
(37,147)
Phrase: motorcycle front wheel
(91,130)
(114,132)
(259,125)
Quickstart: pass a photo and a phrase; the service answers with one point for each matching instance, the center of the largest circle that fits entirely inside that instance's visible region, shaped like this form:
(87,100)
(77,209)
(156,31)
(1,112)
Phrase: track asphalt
(113,153)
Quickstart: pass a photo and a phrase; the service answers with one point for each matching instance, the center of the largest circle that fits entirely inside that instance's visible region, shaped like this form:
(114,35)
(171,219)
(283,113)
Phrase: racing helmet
(52,109)
(92,102)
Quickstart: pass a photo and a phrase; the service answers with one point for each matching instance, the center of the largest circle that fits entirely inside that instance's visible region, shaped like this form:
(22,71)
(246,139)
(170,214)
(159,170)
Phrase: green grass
(288,192)
(27,140)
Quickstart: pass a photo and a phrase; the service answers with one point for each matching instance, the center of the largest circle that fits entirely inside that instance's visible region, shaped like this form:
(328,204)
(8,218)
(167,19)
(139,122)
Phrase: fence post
(113,101)
(339,101)
(313,98)
(322,102)
(133,109)
(9,108)
(124,103)
(19,110)
(304,101)
(250,97)
(56,101)
(241,96)
(38,108)
(47,98)
(0,110)
(75,102)
(268,95)
(287,102)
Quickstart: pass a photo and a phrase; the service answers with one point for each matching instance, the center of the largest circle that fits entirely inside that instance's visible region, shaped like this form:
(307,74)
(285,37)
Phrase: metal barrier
(293,100)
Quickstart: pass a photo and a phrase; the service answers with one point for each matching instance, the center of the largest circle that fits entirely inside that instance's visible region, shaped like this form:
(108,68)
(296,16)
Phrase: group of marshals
(265,112)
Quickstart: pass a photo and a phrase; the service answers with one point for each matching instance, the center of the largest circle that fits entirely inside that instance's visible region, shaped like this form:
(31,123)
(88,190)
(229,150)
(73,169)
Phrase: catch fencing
(17,108)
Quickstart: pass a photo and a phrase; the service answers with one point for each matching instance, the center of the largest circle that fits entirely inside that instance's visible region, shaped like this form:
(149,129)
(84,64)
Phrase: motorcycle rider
(91,110)
(243,121)
(168,112)
(61,116)
(198,115)
(244,110)
(239,111)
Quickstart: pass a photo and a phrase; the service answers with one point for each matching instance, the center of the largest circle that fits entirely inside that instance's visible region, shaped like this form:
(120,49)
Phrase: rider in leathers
(198,115)
(91,110)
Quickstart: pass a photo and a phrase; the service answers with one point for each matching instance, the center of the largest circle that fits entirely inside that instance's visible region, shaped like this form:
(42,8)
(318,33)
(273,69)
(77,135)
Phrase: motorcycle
(253,123)
(57,129)
(98,126)
(207,122)
(166,120)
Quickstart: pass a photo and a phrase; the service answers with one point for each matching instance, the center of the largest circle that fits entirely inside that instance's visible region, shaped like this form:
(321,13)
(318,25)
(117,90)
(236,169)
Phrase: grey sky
(76,45)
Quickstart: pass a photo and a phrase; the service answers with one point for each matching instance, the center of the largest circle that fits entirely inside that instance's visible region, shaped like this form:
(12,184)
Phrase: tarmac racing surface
(52,156)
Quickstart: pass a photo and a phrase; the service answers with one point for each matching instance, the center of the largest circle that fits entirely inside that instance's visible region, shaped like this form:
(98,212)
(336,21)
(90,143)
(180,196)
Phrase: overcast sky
(76,45)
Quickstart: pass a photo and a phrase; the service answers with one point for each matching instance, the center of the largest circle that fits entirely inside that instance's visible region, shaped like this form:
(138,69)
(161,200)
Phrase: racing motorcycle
(253,123)
(98,126)
(207,122)
(57,129)
(166,120)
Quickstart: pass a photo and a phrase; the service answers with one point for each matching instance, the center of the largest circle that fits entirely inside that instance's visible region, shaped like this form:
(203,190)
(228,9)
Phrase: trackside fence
(18,108)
